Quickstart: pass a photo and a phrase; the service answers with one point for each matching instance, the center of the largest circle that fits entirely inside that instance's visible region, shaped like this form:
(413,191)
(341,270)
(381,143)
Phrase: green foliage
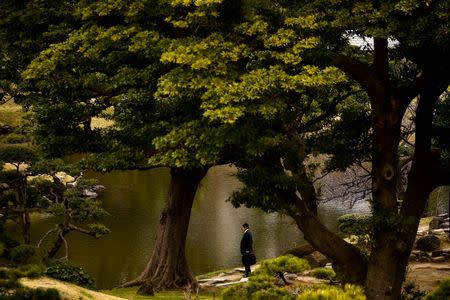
(22,253)
(66,272)
(17,155)
(23,293)
(259,287)
(15,138)
(11,289)
(441,292)
(323,273)
(350,292)
(286,263)
(356,224)
(411,292)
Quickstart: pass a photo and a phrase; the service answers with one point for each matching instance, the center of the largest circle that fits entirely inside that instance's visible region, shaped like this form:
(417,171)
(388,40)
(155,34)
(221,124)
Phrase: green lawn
(130,293)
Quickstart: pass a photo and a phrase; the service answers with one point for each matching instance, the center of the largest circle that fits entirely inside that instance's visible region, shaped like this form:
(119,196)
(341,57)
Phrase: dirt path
(67,291)
(427,275)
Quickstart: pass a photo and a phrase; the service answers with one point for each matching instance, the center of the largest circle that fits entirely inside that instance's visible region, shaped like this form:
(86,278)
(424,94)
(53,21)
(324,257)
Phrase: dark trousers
(246,262)
(247,270)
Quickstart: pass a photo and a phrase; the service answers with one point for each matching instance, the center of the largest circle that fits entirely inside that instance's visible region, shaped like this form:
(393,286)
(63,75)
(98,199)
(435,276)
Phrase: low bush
(10,288)
(70,273)
(286,263)
(350,292)
(442,292)
(323,273)
(22,253)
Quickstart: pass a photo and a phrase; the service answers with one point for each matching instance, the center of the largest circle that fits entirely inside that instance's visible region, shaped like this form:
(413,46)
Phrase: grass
(11,113)
(130,293)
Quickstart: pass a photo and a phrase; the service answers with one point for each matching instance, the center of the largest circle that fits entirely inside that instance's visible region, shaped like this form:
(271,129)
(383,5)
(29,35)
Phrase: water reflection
(135,200)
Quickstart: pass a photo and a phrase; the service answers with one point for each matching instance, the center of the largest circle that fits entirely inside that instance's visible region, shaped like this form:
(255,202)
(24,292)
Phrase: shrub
(24,293)
(350,292)
(441,292)
(235,292)
(323,273)
(70,273)
(356,224)
(15,138)
(22,253)
(285,263)
(411,292)
(272,293)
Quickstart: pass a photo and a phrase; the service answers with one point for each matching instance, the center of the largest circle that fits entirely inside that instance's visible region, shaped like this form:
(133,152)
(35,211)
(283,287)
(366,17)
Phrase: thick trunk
(348,261)
(395,233)
(168,267)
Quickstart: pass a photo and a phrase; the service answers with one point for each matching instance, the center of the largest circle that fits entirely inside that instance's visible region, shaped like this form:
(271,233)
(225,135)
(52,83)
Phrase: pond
(135,199)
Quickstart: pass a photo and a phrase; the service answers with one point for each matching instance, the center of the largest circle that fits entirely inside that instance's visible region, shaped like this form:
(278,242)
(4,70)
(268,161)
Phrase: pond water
(135,199)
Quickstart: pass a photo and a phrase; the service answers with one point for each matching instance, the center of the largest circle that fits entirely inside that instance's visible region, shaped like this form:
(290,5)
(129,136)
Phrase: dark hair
(245,225)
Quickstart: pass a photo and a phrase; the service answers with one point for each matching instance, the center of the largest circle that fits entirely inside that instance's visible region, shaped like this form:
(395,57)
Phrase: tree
(391,77)
(37,185)
(112,61)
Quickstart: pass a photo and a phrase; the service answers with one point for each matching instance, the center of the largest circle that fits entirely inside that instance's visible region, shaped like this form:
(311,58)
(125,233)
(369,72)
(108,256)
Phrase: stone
(428,243)
(290,276)
(443,216)
(438,231)
(446,250)
(415,252)
(436,253)
(438,259)
(445,225)
(329,266)
(436,222)
(90,194)
(316,259)
(424,259)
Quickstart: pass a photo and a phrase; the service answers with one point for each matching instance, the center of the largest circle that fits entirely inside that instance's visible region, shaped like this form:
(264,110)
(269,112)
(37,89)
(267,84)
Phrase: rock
(436,222)
(446,255)
(438,259)
(428,243)
(424,259)
(98,188)
(316,259)
(90,194)
(301,251)
(436,253)
(446,250)
(415,252)
(329,266)
(290,276)
(425,254)
(445,225)
(421,232)
(438,231)
(443,216)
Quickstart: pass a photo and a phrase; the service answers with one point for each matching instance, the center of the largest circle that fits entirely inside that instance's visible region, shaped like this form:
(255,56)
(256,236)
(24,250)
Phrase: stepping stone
(438,259)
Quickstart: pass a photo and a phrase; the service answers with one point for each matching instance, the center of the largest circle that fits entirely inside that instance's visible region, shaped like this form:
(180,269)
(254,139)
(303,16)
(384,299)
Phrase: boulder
(301,251)
(436,222)
(316,259)
(428,243)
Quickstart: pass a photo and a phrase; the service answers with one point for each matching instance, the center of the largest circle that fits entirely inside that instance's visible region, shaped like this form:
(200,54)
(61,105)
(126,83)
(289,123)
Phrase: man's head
(245,226)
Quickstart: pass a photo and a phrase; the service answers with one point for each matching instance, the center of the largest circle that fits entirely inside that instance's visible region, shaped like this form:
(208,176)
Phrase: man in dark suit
(247,248)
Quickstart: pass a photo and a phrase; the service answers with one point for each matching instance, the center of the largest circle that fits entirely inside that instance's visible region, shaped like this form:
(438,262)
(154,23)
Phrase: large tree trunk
(168,267)
(395,233)
(348,261)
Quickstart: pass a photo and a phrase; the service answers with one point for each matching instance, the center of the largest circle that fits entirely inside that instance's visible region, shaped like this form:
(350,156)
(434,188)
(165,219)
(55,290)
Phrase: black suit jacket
(247,242)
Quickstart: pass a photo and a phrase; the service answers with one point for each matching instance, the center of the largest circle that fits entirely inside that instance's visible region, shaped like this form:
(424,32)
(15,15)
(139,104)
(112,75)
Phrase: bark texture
(168,267)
